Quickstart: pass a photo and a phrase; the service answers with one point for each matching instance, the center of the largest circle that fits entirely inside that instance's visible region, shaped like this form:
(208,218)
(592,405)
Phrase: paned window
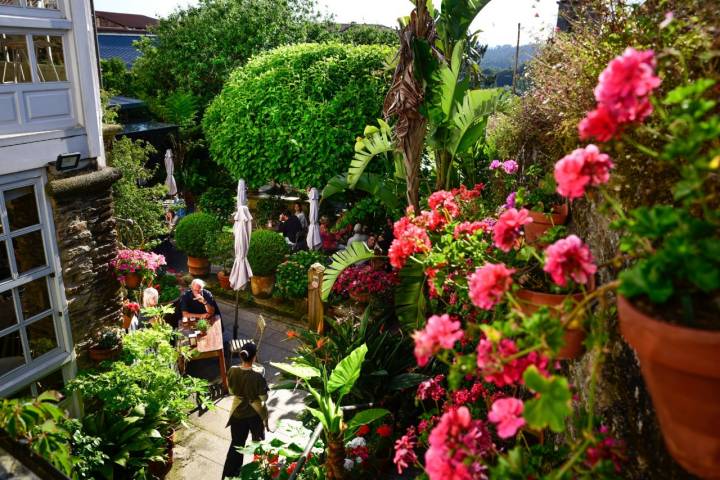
(48,4)
(14,59)
(32,328)
(49,58)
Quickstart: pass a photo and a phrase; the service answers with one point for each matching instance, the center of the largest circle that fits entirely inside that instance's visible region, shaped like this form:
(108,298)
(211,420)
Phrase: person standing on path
(248,414)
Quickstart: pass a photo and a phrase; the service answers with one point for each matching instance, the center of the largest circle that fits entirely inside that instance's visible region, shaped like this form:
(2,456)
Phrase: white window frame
(63,356)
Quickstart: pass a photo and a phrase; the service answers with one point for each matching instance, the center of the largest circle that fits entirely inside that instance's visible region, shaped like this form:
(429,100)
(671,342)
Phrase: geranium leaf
(551,405)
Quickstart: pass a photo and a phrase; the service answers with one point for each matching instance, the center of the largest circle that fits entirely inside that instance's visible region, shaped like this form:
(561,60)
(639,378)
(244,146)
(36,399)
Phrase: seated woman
(248,414)
(150,299)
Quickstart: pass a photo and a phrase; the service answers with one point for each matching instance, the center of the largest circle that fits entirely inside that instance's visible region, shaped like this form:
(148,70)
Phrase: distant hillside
(503,56)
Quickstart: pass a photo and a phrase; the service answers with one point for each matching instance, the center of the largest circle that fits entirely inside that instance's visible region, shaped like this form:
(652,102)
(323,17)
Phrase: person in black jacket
(289,226)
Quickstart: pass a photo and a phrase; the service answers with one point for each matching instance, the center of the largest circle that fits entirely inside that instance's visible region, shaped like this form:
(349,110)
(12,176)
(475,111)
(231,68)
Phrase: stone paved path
(200,449)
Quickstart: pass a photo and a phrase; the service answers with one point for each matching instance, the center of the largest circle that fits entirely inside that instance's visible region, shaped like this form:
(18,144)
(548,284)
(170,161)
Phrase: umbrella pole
(235,325)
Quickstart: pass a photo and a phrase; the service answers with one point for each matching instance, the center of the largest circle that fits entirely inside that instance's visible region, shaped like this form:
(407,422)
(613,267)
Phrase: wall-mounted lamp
(67,161)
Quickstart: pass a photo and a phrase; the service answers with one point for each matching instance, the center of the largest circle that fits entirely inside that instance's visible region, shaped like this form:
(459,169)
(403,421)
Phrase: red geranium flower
(384,430)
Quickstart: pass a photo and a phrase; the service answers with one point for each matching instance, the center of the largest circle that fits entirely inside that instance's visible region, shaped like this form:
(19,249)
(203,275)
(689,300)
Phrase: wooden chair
(237,344)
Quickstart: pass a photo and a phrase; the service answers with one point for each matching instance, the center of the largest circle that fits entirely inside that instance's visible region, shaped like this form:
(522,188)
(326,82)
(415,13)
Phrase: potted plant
(107,346)
(135,267)
(668,297)
(221,250)
(190,236)
(129,310)
(266,251)
(202,326)
(546,208)
(362,282)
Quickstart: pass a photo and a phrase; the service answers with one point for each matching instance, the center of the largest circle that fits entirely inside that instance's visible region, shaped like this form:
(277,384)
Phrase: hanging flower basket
(681,369)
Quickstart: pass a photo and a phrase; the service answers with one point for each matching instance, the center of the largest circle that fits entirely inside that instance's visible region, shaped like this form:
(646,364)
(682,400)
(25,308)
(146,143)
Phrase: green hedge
(267,250)
(192,231)
(292,114)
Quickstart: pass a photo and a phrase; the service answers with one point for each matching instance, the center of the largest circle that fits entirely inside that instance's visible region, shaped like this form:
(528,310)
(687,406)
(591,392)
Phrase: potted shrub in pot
(202,326)
(221,250)
(134,268)
(107,346)
(191,234)
(267,250)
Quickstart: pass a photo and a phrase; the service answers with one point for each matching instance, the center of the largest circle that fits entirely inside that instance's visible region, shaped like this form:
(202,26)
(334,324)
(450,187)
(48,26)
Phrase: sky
(498,20)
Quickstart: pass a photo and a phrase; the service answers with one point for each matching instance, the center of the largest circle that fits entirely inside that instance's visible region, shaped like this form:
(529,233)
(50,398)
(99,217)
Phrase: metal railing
(314,438)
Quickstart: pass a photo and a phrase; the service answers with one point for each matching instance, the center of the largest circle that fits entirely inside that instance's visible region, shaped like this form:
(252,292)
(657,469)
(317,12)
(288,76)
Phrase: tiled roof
(112,21)
(119,46)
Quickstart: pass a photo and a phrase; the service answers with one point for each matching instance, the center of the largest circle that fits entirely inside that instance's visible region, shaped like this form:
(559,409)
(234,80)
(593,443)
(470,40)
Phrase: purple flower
(495,164)
(510,166)
(510,200)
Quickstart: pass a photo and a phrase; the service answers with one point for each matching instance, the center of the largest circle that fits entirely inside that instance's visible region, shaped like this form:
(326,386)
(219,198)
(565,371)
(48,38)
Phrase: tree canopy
(292,114)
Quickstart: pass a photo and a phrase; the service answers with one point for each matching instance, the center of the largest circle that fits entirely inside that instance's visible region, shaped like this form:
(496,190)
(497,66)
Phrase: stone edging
(96,181)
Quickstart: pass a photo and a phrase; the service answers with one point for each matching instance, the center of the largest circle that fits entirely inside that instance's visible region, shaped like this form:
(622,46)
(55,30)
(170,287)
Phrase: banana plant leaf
(356,252)
(410,297)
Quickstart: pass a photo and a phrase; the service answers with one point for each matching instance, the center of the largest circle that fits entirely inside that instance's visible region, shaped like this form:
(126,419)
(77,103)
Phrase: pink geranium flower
(456,446)
(440,332)
(569,258)
(446,200)
(599,124)
(505,412)
(508,227)
(583,167)
(409,239)
(510,166)
(626,83)
(488,284)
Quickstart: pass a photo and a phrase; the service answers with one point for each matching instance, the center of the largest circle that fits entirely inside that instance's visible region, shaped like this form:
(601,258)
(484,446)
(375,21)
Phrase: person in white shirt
(300,214)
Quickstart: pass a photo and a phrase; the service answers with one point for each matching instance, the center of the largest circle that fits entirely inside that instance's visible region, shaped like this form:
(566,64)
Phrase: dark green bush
(267,250)
(218,201)
(192,232)
(221,249)
(291,114)
(291,277)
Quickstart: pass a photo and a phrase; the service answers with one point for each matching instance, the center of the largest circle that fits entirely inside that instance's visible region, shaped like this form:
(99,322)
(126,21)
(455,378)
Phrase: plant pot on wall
(531,301)
(132,280)
(224,280)
(542,222)
(98,355)
(262,286)
(198,266)
(681,368)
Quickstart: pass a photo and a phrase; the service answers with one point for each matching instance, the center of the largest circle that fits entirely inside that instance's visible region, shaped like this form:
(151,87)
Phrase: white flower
(348,464)
(358,460)
(356,442)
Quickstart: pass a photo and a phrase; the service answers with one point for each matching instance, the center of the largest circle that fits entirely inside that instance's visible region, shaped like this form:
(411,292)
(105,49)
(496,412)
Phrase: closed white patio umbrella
(314,242)
(170,168)
(241,272)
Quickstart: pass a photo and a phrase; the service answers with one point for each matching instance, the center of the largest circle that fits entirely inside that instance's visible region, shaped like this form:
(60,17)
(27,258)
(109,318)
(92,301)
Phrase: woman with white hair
(149,299)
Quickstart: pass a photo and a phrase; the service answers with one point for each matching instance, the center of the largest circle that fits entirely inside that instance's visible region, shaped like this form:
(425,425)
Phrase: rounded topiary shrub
(291,114)
(267,250)
(192,231)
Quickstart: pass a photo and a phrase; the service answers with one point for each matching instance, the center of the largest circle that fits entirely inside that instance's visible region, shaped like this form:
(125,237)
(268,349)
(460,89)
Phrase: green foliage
(356,252)
(195,49)
(87,454)
(383,189)
(203,325)
(410,297)
(330,91)
(291,276)
(192,231)
(38,421)
(354,34)
(116,77)
(169,289)
(109,113)
(552,404)
(266,251)
(220,248)
(141,205)
(269,208)
(218,201)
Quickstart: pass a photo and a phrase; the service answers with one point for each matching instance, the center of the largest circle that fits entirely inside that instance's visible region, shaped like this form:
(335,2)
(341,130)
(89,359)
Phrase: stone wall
(85,228)
(621,397)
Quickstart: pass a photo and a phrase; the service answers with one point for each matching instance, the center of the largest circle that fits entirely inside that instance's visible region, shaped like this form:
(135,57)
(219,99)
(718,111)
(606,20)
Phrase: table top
(211,342)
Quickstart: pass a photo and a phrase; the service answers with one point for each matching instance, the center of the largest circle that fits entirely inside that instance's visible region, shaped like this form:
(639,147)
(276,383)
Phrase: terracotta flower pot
(161,469)
(262,286)
(98,355)
(542,222)
(224,280)
(531,301)
(127,320)
(681,368)
(132,280)
(198,266)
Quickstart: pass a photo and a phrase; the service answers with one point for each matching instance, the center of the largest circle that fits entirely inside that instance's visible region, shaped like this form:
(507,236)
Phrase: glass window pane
(4,263)
(29,251)
(14,59)
(10,3)
(34,297)
(41,337)
(7,310)
(50,58)
(21,207)
(11,354)
(52,381)
(53,4)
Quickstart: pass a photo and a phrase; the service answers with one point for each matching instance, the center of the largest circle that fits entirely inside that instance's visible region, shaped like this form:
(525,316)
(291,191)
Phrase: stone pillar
(82,208)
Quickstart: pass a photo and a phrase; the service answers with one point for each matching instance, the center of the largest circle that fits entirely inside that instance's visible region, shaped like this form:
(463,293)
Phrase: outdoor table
(208,346)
